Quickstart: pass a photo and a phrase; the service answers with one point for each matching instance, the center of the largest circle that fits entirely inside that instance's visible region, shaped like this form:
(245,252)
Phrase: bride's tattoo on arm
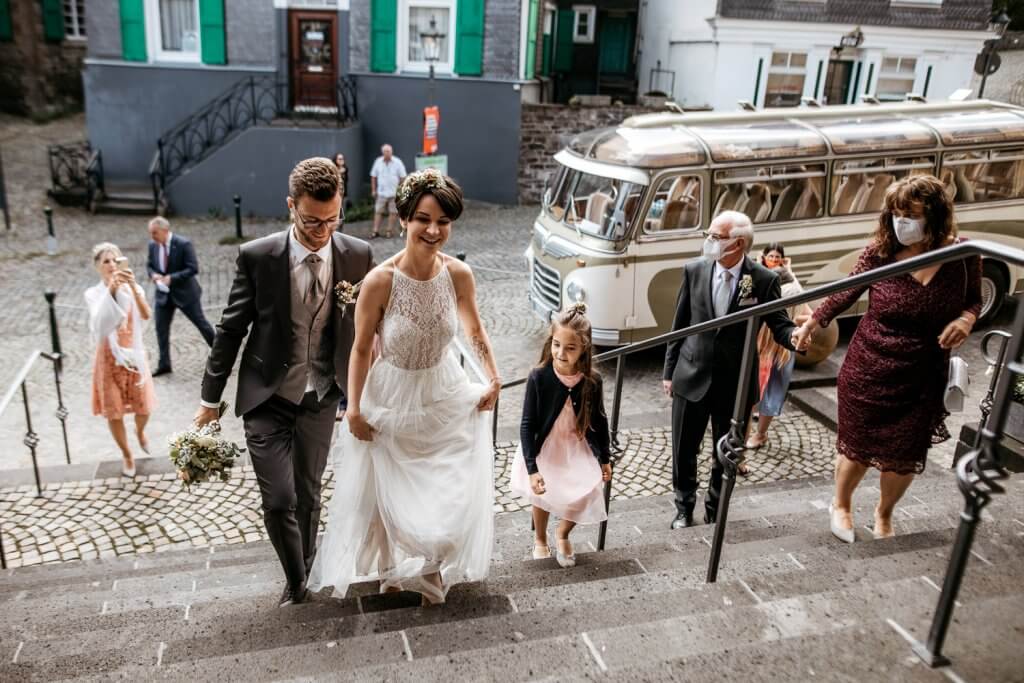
(480,348)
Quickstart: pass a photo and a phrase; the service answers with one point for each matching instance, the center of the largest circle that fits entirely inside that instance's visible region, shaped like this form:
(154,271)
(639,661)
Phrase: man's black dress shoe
(293,596)
(683,520)
(161,371)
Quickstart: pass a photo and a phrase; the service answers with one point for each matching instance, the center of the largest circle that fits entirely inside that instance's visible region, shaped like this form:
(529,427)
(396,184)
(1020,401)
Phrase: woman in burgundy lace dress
(891,385)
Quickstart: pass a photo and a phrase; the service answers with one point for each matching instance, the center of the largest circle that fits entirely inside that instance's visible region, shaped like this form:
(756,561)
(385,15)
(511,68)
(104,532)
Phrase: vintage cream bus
(627,204)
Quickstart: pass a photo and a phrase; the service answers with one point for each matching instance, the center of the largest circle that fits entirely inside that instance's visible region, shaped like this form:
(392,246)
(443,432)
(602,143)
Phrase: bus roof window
(771,140)
(649,147)
(977,127)
(853,136)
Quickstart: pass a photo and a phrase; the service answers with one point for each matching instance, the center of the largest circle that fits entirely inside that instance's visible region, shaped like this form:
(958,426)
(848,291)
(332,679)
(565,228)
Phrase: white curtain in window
(419,23)
(178,30)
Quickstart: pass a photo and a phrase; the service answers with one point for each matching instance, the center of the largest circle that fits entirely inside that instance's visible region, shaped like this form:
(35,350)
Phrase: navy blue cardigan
(544,400)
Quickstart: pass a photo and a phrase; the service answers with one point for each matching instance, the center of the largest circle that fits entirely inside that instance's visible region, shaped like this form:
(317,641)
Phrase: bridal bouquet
(201,454)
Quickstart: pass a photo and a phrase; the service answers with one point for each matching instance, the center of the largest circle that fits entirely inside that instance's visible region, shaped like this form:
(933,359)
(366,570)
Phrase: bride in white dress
(414,489)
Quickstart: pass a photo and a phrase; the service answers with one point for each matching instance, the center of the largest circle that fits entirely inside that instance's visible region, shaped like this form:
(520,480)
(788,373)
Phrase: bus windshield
(602,207)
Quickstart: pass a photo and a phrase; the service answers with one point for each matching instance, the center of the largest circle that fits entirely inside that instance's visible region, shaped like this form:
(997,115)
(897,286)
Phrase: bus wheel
(993,290)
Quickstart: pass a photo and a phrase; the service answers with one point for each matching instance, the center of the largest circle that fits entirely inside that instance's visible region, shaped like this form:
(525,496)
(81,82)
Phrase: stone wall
(250,32)
(547,128)
(501,39)
(38,78)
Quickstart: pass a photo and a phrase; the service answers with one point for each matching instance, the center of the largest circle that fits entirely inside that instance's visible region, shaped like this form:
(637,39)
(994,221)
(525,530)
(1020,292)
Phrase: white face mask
(715,249)
(909,231)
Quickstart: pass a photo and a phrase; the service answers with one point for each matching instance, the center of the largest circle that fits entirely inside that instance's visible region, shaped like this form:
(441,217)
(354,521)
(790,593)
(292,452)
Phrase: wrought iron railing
(252,101)
(978,472)
(95,183)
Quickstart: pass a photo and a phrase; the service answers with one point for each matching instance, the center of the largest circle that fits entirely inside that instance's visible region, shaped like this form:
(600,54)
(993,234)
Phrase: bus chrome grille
(546,286)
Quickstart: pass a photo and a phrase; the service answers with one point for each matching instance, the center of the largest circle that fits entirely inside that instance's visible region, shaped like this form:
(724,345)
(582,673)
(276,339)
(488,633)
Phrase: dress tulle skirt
(418,499)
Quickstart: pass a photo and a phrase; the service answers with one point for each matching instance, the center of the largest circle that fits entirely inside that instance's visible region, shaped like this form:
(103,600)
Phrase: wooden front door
(313,59)
(837,82)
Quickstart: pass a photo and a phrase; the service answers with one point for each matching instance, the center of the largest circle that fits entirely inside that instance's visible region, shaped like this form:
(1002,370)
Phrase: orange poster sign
(431,122)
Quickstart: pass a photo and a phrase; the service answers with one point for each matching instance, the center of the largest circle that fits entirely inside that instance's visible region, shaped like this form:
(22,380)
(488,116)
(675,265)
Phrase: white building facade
(716,53)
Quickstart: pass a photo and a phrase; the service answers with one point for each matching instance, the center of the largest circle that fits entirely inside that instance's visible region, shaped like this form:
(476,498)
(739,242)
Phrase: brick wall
(38,78)
(547,128)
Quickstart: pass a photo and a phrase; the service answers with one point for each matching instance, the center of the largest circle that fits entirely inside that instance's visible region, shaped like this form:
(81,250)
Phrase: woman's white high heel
(843,534)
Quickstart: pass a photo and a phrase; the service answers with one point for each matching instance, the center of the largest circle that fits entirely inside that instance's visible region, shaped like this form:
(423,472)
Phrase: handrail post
(31,438)
(978,474)
(3,558)
(50,296)
(62,411)
(729,449)
(51,236)
(494,421)
(620,372)
(238,216)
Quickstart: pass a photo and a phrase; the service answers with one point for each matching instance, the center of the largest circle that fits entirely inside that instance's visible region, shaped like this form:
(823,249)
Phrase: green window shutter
(6,30)
(563,40)
(469,38)
(211,32)
(531,39)
(53,20)
(133,31)
(383,21)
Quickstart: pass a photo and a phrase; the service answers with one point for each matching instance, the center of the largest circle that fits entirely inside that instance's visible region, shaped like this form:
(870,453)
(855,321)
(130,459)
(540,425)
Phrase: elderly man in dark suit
(172,267)
(702,371)
(295,363)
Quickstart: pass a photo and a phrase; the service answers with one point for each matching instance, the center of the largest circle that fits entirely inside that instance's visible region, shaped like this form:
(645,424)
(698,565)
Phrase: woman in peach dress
(121,380)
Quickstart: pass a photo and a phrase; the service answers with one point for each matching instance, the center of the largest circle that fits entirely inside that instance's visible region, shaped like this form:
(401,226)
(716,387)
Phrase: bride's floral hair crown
(429,181)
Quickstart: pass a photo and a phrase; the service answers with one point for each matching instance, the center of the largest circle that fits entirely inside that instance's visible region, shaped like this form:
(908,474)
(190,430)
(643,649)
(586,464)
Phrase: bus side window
(860,186)
(986,175)
(676,205)
(771,193)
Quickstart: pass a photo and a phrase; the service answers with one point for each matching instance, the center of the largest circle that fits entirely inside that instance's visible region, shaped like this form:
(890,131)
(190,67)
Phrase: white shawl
(107,315)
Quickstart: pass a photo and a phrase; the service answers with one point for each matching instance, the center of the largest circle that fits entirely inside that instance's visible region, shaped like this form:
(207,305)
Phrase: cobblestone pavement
(83,520)
(86,519)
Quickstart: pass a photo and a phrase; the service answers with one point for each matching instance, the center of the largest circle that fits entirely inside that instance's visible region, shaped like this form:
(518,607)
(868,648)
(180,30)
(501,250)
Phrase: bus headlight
(576,292)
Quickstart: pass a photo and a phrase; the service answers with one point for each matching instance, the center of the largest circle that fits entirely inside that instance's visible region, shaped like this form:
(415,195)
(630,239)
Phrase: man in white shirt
(387,172)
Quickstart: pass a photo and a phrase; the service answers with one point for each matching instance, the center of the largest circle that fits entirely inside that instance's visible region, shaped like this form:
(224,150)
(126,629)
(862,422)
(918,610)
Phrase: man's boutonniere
(746,286)
(345,293)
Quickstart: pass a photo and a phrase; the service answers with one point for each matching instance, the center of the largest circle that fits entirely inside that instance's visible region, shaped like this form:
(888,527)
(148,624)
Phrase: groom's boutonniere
(746,287)
(345,293)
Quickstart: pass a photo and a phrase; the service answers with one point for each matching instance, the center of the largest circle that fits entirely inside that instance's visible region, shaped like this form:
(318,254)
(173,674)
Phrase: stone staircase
(791,603)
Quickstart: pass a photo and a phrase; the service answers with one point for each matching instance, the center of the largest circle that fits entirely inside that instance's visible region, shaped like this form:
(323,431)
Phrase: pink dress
(572,475)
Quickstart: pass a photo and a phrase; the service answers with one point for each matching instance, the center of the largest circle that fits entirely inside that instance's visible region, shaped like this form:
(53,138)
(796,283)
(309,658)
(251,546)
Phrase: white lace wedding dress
(418,499)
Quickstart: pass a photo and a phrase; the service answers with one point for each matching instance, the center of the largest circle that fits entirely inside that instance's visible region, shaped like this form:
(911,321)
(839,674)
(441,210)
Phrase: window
(860,186)
(676,205)
(786,77)
(896,78)
(172,28)
(426,35)
(583,25)
(771,193)
(603,207)
(74,19)
(984,175)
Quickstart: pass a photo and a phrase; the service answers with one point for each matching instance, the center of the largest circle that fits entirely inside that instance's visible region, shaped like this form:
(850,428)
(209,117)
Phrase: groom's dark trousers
(288,446)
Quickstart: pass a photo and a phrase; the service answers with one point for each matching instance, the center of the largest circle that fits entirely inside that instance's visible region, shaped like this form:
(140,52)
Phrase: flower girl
(564,455)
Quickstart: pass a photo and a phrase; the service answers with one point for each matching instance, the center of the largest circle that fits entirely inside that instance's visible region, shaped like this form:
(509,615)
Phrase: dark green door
(615,45)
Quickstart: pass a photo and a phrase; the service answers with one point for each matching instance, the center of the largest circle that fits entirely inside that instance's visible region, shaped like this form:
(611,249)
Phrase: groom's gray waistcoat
(260,312)
(312,341)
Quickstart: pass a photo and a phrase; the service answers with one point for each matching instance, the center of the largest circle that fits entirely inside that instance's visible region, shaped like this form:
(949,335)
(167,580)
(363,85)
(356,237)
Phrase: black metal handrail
(978,472)
(69,171)
(95,184)
(254,100)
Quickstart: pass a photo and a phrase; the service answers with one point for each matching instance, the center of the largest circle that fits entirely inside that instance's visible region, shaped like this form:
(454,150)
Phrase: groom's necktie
(723,293)
(315,290)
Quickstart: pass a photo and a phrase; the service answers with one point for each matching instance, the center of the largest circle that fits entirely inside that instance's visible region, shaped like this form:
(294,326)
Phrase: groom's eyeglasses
(317,224)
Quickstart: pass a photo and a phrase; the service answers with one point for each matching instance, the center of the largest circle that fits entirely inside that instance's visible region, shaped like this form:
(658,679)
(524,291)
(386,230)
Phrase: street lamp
(997,25)
(432,50)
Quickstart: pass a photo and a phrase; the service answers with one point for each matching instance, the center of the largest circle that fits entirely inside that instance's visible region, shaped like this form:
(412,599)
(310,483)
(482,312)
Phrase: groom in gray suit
(295,364)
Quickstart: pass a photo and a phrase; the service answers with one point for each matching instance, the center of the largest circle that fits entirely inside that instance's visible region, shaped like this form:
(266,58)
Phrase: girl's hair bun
(578,308)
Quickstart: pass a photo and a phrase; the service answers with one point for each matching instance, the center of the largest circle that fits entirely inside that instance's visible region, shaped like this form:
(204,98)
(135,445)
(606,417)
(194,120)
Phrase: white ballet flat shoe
(844,535)
(128,471)
(565,561)
(541,552)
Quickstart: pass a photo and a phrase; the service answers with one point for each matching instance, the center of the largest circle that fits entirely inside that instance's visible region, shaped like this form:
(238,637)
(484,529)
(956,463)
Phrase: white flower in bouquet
(202,454)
